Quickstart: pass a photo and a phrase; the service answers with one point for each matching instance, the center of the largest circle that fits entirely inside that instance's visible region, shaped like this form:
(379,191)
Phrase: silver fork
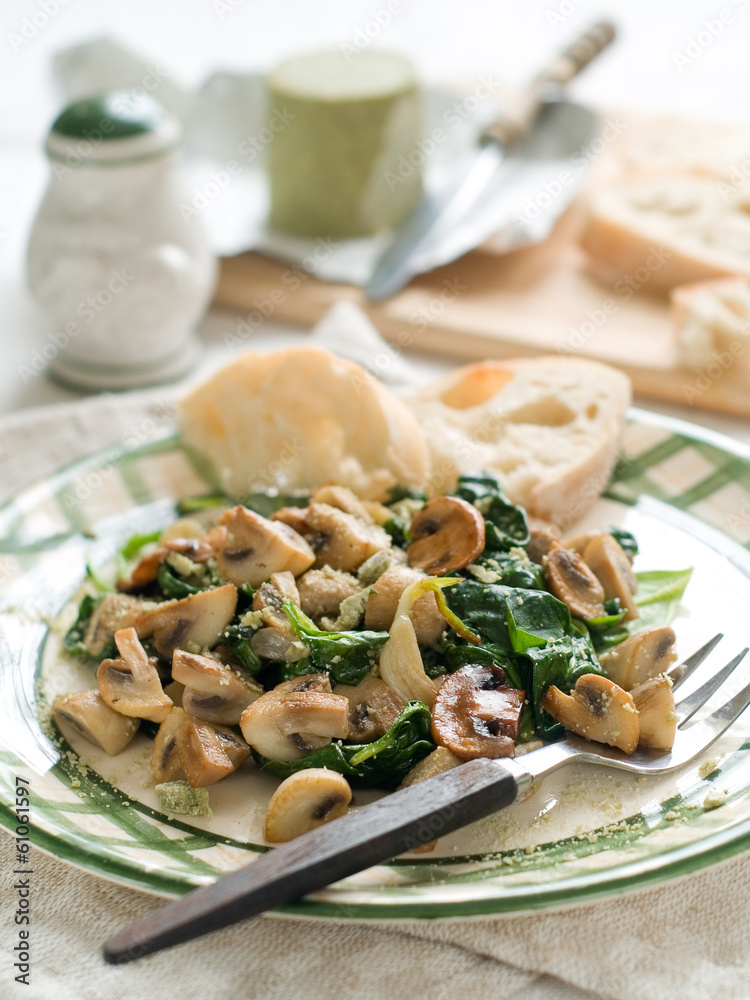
(413,816)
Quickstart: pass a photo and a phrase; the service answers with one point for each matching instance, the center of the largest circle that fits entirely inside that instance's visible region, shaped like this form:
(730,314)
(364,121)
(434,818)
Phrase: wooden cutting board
(539,300)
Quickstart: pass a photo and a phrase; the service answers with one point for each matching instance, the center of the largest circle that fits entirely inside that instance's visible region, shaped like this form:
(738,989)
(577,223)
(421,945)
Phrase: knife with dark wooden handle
(444,221)
(375,833)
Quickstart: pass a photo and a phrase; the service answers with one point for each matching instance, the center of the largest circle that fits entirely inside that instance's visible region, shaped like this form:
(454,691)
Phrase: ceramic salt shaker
(122,269)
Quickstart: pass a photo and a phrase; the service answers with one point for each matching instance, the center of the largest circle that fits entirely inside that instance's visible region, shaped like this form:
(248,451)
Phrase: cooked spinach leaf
(398,493)
(274,672)
(506,525)
(658,597)
(73,640)
(382,764)
(191,505)
(513,569)
(398,523)
(521,638)
(173,586)
(346,656)
(238,637)
(530,634)
(484,608)
(262,503)
(560,662)
(266,504)
(608,631)
(398,529)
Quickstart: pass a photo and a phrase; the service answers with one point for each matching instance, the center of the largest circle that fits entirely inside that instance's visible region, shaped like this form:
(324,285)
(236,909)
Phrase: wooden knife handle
(511,126)
(379,831)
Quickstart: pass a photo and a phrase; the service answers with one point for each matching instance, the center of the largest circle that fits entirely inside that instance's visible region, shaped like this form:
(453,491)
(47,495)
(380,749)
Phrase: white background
(447,40)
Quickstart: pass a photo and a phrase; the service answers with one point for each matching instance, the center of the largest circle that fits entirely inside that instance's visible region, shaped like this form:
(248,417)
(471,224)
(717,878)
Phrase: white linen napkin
(685,940)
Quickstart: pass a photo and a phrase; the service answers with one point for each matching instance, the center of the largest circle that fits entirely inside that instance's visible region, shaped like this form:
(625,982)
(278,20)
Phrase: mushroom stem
(131,685)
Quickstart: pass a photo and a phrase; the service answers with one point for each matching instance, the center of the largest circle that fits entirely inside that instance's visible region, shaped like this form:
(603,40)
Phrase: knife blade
(375,833)
(447,213)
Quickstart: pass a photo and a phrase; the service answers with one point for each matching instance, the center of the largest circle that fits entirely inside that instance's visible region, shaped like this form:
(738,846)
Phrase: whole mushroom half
(341,540)
(608,561)
(373,708)
(213,691)
(257,547)
(476,714)
(165,760)
(304,801)
(571,581)
(598,710)
(113,612)
(193,623)
(656,713)
(295,717)
(646,654)
(93,718)
(207,753)
(447,533)
(130,684)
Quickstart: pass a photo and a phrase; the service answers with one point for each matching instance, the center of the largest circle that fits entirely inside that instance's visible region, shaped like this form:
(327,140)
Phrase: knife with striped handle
(450,212)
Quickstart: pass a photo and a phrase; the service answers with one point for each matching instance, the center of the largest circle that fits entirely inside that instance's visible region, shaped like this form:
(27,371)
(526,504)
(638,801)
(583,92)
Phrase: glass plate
(585,833)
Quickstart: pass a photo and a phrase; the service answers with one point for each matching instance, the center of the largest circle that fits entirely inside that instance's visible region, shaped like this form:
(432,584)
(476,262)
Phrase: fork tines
(683,670)
(688,706)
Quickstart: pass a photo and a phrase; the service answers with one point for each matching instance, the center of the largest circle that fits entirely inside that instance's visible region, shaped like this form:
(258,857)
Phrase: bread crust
(711,318)
(299,418)
(663,230)
(548,427)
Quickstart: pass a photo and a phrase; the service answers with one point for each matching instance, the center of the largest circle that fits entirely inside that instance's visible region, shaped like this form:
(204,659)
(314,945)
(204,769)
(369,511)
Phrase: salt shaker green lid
(113,127)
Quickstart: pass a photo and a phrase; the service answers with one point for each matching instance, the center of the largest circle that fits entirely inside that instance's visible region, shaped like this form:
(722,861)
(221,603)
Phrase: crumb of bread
(715,798)
(708,767)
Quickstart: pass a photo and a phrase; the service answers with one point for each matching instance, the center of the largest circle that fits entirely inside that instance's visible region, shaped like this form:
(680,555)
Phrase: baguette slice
(548,427)
(669,230)
(711,319)
(300,418)
(685,144)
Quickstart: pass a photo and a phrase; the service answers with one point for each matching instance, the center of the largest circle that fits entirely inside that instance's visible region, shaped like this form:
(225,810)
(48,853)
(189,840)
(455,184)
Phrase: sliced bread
(668,230)
(711,322)
(300,418)
(548,427)
(662,143)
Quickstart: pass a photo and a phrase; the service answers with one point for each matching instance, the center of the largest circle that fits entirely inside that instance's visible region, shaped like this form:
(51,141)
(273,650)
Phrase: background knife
(446,225)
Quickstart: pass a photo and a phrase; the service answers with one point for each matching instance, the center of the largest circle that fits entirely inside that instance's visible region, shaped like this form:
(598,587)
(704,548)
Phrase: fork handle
(382,830)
